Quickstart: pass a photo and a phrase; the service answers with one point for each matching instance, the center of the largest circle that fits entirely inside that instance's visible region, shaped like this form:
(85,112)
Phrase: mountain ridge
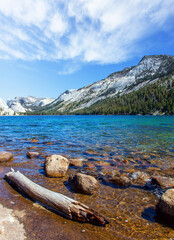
(148,70)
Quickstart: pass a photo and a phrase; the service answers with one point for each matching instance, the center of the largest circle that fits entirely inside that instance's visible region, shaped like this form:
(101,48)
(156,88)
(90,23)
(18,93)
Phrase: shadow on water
(150,215)
(66,183)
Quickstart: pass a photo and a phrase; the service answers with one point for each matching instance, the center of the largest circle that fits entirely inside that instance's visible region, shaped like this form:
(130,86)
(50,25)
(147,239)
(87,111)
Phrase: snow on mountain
(148,70)
(23,104)
(4,109)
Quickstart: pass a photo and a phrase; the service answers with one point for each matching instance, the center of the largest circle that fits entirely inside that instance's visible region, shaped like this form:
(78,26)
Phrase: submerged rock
(165,206)
(76,162)
(110,172)
(140,177)
(6,156)
(34,141)
(163,182)
(83,183)
(56,166)
(121,180)
(32,154)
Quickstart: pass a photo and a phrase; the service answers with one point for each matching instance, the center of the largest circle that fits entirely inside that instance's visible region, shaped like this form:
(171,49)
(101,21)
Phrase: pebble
(83,230)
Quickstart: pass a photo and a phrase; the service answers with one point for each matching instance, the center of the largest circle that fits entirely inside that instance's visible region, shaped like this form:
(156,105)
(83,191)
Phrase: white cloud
(105,31)
(69,68)
(57,25)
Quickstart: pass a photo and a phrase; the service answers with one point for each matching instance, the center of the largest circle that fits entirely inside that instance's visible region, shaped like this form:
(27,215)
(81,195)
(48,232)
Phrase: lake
(105,143)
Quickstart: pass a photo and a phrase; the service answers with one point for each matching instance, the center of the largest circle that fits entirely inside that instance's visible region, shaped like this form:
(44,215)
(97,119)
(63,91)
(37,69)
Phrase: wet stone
(163,182)
(122,181)
(146,157)
(6,156)
(34,141)
(165,206)
(90,166)
(169,171)
(83,183)
(110,172)
(75,162)
(56,166)
(140,177)
(102,164)
(32,154)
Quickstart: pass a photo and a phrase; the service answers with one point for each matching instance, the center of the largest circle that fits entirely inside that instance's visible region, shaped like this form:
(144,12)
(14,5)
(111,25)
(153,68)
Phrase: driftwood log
(72,209)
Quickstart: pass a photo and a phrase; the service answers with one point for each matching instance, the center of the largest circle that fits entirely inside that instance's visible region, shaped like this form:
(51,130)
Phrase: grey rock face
(148,70)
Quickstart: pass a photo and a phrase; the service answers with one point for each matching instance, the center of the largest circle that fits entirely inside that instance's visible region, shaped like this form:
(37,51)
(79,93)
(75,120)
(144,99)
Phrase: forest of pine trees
(158,96)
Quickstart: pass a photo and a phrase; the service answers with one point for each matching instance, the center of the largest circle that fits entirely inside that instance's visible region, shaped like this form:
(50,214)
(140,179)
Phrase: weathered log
(72,209)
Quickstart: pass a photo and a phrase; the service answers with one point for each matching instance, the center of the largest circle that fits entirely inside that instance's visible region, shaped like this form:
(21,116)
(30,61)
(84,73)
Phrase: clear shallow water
(104,143)
(76,134)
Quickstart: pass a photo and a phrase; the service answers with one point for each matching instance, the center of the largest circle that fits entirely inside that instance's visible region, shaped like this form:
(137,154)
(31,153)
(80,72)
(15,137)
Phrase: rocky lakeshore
(130,187)
(118,193)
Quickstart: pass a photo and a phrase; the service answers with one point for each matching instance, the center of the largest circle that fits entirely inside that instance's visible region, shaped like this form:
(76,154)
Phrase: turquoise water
(76,135)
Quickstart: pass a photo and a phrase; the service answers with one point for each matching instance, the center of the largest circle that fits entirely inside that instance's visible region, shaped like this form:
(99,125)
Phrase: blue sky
(49,46)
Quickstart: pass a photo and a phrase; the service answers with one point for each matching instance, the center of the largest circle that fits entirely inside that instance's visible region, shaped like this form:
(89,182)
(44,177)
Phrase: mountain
(148,71)
(23,104)
(4,109)
(156,98)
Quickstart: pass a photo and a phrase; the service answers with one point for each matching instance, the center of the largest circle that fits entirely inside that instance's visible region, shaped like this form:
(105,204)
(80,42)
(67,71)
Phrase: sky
(49,46)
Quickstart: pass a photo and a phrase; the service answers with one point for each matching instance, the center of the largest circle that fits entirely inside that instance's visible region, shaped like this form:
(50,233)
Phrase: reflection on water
(104,143)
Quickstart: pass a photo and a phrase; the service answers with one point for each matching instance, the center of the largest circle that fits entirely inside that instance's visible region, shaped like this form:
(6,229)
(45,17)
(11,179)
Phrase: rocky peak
(150,68)
(4,109)
(22,104)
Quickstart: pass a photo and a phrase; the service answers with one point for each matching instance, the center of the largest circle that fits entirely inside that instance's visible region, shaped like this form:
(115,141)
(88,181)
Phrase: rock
(6,156)
(146,157)
(169,171)
(122,181)
(102,164)
(140,177)
(56,166)
(76,162)
(165,206)
(90,166)
(163,182)
(83,183)
(110,172)
(32,154)
(34,141)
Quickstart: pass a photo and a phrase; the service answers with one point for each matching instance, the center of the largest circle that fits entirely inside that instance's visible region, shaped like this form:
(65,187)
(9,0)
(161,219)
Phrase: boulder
(122,181)
(6,156)
(165,206)
(83,183)
(56,166)
(32,154)
(163,182)
(140,177)
(76,162)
